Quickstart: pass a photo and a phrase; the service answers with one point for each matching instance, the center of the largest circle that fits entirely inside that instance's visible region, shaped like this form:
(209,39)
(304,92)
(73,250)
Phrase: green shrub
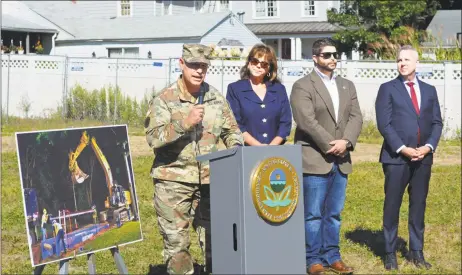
(370,133)
(106,104)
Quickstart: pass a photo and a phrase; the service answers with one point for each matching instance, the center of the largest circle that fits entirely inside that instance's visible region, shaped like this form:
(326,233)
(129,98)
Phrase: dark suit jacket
(398,121)
(314,115)
(266,119)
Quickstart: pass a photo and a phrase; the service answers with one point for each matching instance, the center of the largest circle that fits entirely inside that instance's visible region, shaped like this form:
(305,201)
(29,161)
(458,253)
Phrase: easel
(64,264)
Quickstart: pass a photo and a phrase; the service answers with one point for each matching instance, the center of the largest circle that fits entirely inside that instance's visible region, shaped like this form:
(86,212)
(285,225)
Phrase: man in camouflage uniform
(178,129)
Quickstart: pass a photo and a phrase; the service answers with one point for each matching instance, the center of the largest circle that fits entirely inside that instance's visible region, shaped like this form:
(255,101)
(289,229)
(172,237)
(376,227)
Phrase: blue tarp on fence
(71,239)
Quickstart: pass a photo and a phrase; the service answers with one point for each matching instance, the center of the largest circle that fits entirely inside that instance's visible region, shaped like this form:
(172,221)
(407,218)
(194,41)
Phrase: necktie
(416,105)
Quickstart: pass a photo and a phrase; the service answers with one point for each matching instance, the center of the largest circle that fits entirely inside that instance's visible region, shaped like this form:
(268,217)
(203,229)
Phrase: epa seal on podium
(275,189)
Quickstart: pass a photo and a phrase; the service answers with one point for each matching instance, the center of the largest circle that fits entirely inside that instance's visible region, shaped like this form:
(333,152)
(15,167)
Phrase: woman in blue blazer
(259,101)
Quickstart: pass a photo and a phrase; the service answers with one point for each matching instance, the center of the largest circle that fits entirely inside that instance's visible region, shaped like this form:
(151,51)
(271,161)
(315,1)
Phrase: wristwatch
(348,145)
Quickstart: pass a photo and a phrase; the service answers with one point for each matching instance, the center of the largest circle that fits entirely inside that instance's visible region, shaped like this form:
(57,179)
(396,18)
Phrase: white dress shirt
(331,86)
(417,93)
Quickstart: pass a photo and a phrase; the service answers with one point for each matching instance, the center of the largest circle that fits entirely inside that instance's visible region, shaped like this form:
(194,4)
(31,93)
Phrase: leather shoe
(417,258)
(316,269)
(390,261)
(341,268)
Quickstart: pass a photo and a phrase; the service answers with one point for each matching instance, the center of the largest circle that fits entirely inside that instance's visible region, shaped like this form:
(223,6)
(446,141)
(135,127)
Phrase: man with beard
(328,117)
(409,119)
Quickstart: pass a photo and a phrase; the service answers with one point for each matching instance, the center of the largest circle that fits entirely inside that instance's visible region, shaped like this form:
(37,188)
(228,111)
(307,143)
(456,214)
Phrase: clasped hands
(415,154)
(339,148)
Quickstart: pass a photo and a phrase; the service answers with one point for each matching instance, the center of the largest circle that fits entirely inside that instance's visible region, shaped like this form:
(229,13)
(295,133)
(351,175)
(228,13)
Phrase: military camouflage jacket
(176,144)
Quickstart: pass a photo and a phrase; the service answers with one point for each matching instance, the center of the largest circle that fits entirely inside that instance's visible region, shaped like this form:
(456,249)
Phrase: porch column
(355,54)
(280,48)
(27,43)
(292,48)
(298,48)
(53,38)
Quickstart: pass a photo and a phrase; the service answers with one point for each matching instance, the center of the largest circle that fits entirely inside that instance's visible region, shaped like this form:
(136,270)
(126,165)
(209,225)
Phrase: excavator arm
(104,163)
(78,175)
(117,195)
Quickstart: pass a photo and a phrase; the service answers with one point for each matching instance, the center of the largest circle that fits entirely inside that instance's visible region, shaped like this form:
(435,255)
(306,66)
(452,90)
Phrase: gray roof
(230,42)
(11,23)
(58,9)
(165,27)
(297,27)
(71,18)
(444,28)
(16,16)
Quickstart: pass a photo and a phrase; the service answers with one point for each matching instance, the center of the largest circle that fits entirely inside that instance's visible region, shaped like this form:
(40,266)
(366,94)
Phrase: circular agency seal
(275,188)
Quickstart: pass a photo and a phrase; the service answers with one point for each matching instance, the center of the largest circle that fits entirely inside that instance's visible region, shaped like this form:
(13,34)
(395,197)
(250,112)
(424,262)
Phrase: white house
(131,29)
(23,27)
(290,27)
(135,28)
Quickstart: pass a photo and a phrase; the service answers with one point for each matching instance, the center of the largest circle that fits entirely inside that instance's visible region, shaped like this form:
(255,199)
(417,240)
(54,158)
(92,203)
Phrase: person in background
(44,224)
(36,223)
(95,214)
(59,233)
(259,101)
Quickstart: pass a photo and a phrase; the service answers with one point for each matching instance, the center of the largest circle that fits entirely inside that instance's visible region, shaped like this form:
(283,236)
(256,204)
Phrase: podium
(257,213)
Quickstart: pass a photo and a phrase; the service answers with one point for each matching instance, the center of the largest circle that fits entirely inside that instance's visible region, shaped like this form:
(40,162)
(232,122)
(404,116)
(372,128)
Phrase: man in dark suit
(409,119)
(326,110)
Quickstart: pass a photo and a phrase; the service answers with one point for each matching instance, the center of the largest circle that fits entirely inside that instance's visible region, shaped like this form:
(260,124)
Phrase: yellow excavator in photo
(118,196)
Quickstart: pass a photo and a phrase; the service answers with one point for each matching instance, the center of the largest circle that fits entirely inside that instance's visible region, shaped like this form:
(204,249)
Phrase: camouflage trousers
(177,205)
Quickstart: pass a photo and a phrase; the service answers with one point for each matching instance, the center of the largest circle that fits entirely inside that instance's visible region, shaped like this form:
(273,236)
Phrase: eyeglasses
(255,62)
(328,55)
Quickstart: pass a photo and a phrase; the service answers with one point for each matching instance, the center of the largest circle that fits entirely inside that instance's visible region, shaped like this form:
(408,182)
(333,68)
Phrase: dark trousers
(397,177)
(60,241)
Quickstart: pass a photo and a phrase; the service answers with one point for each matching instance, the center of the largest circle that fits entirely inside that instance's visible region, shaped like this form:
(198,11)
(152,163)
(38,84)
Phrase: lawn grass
(137,256)
(361,237)
(14,124)
(369,132)
(128,232)
(363,243)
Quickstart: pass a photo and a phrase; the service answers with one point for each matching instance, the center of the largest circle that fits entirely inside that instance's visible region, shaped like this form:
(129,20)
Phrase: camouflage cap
(196,53)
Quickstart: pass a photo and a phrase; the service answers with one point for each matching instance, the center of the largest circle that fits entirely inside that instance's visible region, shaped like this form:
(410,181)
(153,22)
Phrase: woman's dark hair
(257,51)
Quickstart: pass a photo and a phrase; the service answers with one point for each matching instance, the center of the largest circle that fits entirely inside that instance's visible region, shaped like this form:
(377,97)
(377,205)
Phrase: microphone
(201,98)
(200,101)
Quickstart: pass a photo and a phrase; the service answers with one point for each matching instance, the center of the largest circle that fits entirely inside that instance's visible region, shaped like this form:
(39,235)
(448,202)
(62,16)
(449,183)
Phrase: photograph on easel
(78,191)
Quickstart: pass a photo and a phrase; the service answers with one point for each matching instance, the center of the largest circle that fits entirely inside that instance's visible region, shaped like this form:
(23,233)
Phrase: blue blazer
(398,121)
(266,119)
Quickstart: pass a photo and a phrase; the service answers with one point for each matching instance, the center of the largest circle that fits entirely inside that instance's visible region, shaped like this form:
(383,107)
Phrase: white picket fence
(45,81)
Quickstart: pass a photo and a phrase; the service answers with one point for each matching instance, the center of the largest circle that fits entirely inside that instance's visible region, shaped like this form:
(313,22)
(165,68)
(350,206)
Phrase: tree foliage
(370,21)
